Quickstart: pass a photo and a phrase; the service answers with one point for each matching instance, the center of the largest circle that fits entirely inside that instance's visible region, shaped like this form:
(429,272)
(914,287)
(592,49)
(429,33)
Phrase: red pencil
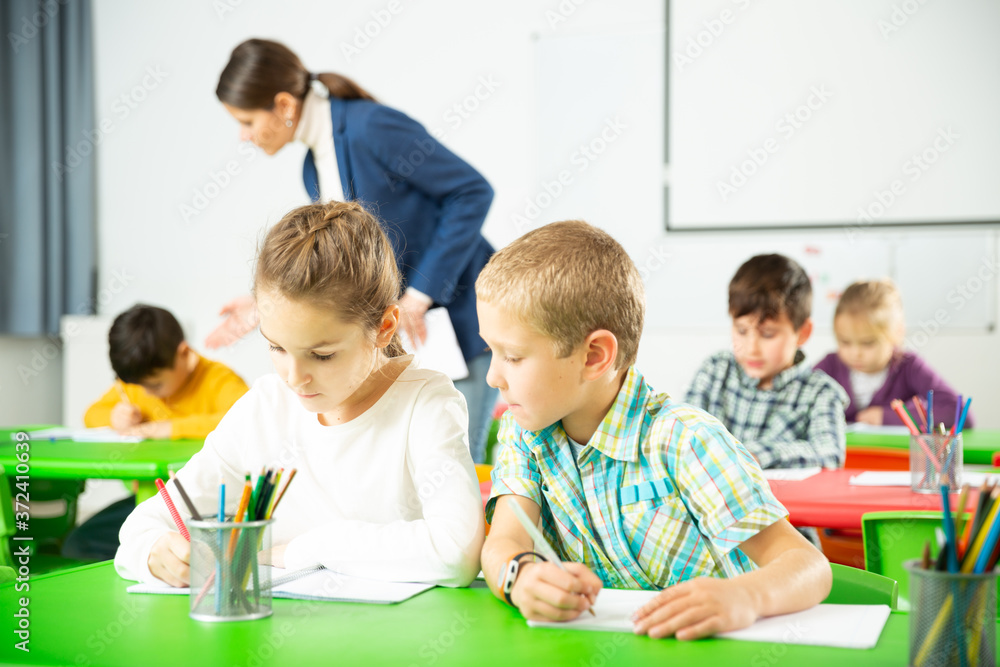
(172,509)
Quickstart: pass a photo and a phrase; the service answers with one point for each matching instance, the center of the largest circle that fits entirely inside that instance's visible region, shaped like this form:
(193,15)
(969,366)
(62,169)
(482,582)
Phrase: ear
(388,326)
(285,104)
(805,331)
(601,350)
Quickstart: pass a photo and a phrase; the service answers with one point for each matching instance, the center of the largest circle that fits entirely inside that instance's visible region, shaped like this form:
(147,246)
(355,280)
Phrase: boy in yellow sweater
(171,390)
(166,390)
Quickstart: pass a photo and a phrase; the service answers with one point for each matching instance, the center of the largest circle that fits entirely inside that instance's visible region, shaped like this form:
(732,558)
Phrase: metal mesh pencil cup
(953,617)
(931,458)
(227,584)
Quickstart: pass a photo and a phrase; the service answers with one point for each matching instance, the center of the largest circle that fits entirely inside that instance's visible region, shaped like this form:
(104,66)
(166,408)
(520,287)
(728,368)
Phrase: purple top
(908,376)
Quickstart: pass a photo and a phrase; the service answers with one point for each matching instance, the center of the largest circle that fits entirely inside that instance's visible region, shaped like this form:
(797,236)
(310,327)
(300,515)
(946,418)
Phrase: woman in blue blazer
(432,202)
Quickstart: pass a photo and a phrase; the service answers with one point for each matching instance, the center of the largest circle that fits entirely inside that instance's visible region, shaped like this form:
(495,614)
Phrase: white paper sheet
(840,625)
(105,434)
(440,351)
(881,429)
(902,478)
(790,474)
(317,584)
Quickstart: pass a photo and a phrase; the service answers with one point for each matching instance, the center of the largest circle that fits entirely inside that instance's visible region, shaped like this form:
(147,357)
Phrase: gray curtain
(48,137)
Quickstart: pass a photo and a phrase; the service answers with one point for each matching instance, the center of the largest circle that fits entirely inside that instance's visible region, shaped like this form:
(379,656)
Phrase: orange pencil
(240,510)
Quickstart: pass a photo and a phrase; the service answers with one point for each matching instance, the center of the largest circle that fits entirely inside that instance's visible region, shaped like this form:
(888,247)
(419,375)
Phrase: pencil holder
(932,457)
(952,618)
(227,584)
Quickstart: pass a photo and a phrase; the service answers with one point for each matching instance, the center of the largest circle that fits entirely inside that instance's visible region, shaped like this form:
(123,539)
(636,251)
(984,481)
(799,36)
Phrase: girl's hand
(872,415)
(125,416)
(241,318)
(543,592)
(412,318)
(169,560)
(697,608)
(274,556)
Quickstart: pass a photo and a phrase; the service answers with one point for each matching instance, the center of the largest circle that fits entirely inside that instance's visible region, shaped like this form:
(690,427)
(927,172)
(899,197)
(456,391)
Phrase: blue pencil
(949,528)
(930,410)
(218,563)
(952,546)
(965,413)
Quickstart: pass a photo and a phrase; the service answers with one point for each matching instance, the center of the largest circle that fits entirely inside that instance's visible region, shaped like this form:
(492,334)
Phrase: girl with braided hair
(385,486)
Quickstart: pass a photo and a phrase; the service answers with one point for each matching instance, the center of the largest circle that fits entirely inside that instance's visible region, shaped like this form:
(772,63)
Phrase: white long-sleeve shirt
(391,494)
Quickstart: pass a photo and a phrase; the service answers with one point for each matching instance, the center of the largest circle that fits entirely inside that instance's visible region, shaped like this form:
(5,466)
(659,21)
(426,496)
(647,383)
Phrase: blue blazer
(432,204)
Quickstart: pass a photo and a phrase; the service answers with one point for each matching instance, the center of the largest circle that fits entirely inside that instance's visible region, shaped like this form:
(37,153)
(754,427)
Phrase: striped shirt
(660,494)
(799,422)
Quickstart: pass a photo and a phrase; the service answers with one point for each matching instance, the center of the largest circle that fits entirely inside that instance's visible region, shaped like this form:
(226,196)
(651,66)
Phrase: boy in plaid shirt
(633,489)
(787,414)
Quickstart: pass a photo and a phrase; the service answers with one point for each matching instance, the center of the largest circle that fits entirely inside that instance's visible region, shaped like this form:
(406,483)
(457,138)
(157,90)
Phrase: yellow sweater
(195,410)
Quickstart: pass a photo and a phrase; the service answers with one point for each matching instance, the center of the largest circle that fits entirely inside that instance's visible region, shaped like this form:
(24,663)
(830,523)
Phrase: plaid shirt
(799,422)
(661,493)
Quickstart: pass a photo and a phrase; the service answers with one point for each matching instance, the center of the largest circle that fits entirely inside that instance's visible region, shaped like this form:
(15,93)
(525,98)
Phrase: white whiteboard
(583,80)
(791,113)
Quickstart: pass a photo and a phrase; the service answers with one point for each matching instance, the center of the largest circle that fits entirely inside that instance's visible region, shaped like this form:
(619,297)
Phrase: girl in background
(871,364)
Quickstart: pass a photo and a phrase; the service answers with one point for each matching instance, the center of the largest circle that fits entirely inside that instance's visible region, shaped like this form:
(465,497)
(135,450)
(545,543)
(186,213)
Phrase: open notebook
(840,625)
(317,583)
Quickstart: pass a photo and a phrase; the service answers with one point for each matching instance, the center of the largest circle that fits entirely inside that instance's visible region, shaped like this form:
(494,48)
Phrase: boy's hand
(543,592)
(124,416)
(872,415)
(161,430)
(697,608)
(169,560)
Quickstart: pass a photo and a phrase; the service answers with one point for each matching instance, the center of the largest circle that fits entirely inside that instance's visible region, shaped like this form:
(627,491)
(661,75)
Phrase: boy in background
(634,490)
(166,391)
(784,412)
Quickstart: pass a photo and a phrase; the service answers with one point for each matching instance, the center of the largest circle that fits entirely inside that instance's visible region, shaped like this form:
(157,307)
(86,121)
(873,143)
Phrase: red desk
(827,500)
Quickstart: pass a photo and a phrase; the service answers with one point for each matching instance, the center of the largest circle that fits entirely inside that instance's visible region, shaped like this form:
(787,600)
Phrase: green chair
(891,538)
(7,574)
(854,586)
(47,532)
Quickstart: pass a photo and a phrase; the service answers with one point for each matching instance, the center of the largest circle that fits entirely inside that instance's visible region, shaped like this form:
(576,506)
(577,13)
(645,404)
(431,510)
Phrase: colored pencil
(184,496)
(919,409)
(240,510)
(281,494)
(172,509)
(969,562)
(963,498)
(899,409)
(930,410)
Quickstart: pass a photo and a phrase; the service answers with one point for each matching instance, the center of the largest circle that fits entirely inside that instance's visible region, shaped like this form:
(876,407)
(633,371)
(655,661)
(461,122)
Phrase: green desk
(84,617)
(978,444)
(65,459)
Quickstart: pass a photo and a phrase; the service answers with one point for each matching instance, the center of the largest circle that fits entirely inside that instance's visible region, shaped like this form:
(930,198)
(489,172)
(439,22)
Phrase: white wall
(168,138)
(30,381)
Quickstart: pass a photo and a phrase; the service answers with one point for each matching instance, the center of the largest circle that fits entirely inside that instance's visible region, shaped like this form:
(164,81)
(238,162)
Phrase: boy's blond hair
(567,280)
(879,303)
